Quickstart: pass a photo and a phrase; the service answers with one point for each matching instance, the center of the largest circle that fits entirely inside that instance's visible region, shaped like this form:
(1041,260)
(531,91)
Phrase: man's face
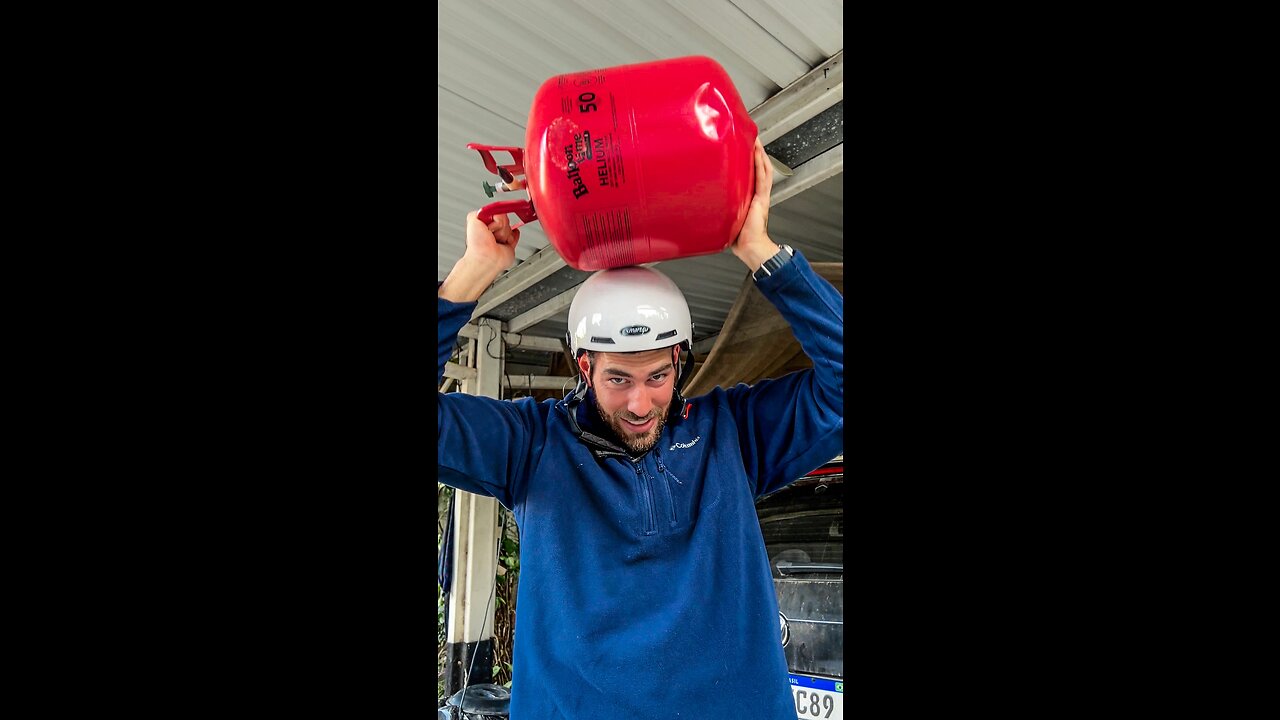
(633,393)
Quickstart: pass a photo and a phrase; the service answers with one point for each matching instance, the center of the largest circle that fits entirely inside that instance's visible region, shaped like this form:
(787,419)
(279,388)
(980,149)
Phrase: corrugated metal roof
(493,56)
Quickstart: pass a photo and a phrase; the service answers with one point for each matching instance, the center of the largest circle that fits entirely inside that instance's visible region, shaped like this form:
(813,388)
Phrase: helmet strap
(682,373)
(682,376)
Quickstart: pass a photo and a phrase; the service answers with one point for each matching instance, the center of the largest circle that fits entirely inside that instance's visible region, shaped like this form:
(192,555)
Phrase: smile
(638,428)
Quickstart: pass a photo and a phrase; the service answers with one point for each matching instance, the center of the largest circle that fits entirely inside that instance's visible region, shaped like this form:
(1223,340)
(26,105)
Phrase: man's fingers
(503,232)
(499,222)
(764,172)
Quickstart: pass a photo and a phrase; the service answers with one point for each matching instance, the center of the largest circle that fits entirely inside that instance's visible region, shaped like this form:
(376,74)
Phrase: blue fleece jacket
(645,591)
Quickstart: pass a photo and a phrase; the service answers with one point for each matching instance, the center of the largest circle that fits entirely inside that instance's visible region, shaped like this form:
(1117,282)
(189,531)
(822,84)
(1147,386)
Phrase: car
(803,529)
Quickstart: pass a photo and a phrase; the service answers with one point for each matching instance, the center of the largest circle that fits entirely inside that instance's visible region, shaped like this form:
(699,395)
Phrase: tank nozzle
(509,186)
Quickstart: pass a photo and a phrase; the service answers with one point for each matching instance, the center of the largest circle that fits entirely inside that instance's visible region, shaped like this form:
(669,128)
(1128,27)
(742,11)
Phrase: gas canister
(633,164)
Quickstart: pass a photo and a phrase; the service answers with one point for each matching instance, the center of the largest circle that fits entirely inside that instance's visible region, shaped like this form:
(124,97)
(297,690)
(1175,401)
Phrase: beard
(636,442)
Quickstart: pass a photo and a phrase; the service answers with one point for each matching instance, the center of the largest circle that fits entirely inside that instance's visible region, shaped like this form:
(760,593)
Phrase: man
(645,592)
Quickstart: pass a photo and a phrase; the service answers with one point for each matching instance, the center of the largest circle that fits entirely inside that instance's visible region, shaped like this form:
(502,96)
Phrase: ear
(584,364)
(675,360)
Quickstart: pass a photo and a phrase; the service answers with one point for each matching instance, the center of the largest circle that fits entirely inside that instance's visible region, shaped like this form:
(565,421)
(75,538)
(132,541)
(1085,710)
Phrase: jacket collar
(579,408)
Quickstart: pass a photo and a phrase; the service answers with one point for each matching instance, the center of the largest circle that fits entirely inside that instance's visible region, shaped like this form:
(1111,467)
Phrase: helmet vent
(595,339)
(666,334)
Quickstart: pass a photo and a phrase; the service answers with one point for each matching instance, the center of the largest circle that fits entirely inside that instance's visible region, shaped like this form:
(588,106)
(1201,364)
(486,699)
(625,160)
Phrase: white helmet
(628,310)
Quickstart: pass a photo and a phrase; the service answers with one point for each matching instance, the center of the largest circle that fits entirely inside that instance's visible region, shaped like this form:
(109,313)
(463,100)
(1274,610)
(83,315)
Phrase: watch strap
(775,263)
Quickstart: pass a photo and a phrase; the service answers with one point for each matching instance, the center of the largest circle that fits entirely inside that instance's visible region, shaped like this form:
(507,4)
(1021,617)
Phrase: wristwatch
(775,263)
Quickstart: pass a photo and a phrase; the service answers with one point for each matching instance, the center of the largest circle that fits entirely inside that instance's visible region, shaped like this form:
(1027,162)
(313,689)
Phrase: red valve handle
(522,208)
(486,152)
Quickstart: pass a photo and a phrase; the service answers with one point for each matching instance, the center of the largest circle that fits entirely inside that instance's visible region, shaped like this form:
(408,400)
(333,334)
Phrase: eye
(617,381)
(659,377)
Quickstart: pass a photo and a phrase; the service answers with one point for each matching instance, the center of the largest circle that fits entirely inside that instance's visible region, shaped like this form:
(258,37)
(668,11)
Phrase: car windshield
(803,528)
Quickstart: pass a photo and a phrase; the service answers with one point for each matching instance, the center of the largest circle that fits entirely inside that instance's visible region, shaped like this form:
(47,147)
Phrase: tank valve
(509,186)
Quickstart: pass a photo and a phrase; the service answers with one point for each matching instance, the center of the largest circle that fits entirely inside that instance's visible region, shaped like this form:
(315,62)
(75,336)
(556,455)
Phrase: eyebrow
(620,373)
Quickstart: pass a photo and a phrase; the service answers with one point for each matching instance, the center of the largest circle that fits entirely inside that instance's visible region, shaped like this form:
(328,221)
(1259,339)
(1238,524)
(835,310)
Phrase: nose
(639,403)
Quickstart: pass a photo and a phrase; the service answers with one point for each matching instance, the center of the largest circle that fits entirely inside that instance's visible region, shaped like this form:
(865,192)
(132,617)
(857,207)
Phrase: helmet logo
(634,330)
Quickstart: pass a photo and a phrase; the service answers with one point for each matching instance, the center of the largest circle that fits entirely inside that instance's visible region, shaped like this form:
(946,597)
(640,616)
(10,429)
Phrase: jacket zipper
(651,519)
(666,470)
(671,492)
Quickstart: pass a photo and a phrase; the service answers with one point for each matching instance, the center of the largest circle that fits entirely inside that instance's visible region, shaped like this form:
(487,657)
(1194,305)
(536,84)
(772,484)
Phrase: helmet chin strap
(584,379)
(682,374)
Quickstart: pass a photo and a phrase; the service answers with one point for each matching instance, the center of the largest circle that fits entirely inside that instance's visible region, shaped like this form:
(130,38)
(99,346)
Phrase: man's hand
(753,245)
(490,250)
(493,245)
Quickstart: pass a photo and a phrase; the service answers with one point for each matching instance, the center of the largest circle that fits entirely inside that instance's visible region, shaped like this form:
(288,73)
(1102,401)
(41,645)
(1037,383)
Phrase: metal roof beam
(516,341)
(543,311)
(790,107)
(827,165)
(535,269)
(538,382)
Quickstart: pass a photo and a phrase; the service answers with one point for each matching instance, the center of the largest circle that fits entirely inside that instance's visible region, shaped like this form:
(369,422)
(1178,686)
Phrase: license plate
(818,698)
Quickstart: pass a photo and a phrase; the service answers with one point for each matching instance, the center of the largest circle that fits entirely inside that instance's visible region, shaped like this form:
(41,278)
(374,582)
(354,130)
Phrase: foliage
(443,493)
(504,618)
(507,582)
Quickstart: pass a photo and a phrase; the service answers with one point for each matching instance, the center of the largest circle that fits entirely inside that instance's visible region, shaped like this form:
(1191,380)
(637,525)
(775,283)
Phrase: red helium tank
(634,164)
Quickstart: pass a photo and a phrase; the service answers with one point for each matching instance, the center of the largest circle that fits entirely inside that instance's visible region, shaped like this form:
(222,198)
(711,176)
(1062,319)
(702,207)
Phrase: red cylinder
(640,163)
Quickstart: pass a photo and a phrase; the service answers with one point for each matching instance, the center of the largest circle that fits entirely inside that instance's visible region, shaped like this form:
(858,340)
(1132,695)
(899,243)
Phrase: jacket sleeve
(790,425)
(484,443)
